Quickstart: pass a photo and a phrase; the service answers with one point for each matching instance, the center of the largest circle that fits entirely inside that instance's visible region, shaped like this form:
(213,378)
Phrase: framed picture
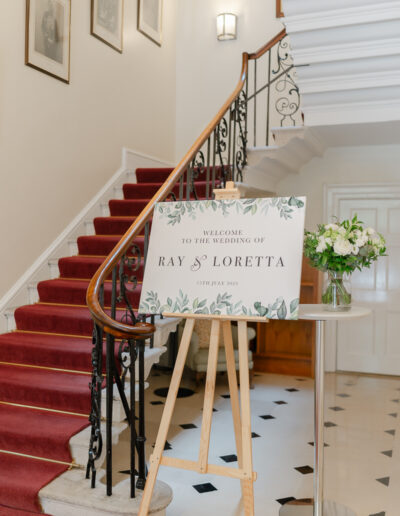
(48,34)
(107,21)
(150,19)
(279,13)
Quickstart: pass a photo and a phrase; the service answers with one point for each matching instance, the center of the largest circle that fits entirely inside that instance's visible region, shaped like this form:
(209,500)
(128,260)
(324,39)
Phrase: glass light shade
(226,26)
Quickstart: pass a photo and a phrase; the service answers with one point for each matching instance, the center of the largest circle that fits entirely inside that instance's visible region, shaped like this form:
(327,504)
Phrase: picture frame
(48,37)
(279,12)
(107,22)
(150,19)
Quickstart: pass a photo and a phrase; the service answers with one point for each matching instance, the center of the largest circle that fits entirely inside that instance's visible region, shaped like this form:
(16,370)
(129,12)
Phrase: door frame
(332,196)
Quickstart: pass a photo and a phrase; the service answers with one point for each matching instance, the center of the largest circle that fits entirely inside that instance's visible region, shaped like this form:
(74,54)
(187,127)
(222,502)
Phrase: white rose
(342,247)
(341,230)
(375,239)
(334,227)
(321,245)
(328,241)
(370,231)
(355,250)
(362,238)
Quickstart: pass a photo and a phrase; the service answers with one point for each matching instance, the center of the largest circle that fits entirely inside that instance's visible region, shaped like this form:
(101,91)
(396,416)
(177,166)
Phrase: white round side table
(318,506)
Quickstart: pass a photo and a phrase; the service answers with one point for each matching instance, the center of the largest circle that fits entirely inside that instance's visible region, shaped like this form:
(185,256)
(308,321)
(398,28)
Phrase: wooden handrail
(144,330)
(261,51)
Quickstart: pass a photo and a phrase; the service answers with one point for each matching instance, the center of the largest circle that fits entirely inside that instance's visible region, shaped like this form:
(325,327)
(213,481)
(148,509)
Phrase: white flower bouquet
(339,248)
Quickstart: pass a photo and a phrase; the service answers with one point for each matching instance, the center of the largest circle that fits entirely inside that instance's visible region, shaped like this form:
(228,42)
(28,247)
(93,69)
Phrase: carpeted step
(127,207)
(46,350)
(74,292)
(56,318)
(82,267)
(147,190)
(150,175)
(8,511)
(79,266)
(112,225)
(102,244)
(37,432)
(46,389)
(21,478)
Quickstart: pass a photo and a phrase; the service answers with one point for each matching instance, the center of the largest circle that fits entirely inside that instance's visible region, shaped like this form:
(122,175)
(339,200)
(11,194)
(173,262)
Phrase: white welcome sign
(227,257)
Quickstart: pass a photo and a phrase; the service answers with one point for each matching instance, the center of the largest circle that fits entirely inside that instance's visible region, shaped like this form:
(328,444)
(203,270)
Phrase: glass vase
(337,292)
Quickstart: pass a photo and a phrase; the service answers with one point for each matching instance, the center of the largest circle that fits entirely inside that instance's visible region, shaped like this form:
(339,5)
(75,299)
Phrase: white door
(372,344)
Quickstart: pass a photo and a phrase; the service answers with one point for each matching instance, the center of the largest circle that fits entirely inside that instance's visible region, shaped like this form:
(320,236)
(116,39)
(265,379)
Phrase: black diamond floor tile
(311,443)
(329,424)
(156,403)
(182,392)
(292,390)
(282,501)
(383,513)
(128,472)
(226,396)
(305,470)
(205,488)
(388,453)
(336,409)
(390,432)
(385,481)
(188,426)
(267,416)
(229,458)
(254,435)
(280,402)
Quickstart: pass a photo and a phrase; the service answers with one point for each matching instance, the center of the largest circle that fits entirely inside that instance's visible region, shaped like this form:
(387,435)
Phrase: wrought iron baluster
(234,116)
(109,409)
(255,103)
(268,98)
(132,371)
(208,168)
(141,435)
(213,162)
(188,182)
(96,438)
(181,188)
(241,117)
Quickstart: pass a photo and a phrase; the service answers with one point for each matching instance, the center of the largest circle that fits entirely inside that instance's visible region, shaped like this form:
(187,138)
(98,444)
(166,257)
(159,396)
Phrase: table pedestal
(318,506)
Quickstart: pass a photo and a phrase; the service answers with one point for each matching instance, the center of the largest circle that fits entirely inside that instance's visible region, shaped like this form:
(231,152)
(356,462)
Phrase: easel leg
(233,388)
(209,395)
(155,459)
(248,488)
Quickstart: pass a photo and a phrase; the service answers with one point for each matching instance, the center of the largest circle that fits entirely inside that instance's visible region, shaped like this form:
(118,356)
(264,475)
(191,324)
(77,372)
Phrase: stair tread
(22,431)
(46,389)
(21,478)
(44,350)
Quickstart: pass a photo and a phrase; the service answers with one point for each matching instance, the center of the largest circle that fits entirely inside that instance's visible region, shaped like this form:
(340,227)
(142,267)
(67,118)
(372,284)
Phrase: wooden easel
(240,408)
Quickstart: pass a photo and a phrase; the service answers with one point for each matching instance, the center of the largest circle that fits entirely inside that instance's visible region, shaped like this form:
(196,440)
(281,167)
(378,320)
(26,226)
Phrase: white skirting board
(45,267)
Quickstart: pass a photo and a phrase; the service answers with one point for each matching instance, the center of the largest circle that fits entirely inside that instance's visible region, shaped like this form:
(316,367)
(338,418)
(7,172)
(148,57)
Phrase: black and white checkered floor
(362,453)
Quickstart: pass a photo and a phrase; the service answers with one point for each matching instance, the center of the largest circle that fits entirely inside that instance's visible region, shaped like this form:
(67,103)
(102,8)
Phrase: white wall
(208,69)
(341,165)
(60,143)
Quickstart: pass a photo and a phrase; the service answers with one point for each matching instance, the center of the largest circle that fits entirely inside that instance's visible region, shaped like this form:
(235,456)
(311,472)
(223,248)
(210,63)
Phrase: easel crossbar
(212,469)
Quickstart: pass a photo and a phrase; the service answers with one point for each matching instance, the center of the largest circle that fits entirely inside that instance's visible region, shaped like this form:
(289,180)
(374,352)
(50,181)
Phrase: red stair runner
(45,364)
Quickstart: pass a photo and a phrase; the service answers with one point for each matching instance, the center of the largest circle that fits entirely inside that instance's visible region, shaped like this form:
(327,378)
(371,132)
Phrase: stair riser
(93,246)
(68,325)
(75,269)
(152,175)
(137,191)
(49,294)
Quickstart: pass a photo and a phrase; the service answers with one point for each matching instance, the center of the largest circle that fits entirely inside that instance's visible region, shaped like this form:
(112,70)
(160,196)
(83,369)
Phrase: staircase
(54,354)
(46,364)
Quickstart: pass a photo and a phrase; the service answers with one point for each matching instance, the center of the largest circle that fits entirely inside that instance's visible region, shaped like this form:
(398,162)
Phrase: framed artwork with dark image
(279,12)
(47,38)
(150,19)
(107,22)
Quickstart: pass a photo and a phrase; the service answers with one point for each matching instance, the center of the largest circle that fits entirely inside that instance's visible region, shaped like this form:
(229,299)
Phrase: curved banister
(261,51)
(144,330)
